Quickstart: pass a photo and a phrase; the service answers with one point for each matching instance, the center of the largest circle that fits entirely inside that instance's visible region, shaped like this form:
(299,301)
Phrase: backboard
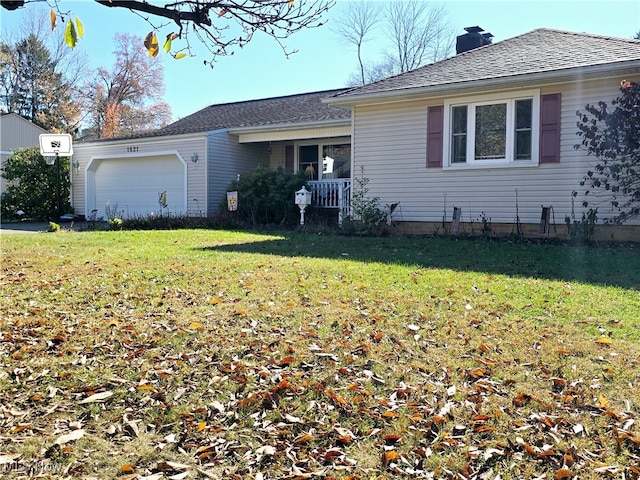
(56,145)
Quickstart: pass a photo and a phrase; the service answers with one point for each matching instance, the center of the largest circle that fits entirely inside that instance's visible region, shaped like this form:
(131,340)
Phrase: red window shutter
(550,128)
(435,126)
(288,158)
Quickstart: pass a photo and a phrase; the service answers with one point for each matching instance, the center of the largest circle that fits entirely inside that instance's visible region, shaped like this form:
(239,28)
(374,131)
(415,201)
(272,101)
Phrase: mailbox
(303,200)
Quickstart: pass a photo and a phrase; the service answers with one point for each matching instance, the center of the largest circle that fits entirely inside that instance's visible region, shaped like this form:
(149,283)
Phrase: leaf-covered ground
(201,354)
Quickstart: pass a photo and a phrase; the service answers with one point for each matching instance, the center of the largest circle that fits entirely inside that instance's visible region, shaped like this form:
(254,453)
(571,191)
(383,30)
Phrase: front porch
(333,193)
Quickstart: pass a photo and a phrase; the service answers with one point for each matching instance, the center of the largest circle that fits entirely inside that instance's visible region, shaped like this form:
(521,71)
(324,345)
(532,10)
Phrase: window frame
(320,144)
(471,102)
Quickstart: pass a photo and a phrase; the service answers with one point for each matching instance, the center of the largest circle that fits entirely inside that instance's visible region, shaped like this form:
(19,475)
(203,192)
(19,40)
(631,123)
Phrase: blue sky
(323,61)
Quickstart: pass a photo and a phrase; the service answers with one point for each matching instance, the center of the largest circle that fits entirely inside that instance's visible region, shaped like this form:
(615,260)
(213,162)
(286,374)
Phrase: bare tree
(127,99)
(418,33)
(355,25)
(220,25)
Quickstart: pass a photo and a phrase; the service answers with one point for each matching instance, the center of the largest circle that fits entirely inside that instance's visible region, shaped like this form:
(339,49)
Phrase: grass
(216,353)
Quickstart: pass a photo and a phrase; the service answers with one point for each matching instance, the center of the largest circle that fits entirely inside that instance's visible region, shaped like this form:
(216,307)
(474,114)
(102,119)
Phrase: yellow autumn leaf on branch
(151,44)
(54,18)
(70,34)
(79,28)
(167,43)
(179,55)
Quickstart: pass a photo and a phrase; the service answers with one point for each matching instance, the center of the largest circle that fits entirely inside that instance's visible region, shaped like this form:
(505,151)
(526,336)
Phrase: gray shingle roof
(539,51)
(288,110)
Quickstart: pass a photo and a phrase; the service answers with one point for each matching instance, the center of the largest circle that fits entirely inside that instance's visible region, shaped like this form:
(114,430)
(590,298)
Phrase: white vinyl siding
(227,160)
(184,147)
(389,142)
(15,133)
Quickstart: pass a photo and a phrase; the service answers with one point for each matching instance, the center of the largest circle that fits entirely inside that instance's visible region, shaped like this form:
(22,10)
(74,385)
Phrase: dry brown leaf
(70,437)
(563,473)
(97,397)
(603,402)
(127,468)
(9,458)
(521,399)
(389,456)
(392,438)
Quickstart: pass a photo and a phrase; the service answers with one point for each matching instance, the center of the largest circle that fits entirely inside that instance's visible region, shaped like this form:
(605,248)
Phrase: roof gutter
(526,79)
(289,126)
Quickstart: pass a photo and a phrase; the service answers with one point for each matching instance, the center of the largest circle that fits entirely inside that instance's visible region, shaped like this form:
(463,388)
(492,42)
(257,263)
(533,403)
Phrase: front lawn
(214,354)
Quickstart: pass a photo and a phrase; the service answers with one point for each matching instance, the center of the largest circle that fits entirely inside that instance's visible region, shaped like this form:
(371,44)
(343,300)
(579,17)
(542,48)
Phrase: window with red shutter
(550,128)
(435,119)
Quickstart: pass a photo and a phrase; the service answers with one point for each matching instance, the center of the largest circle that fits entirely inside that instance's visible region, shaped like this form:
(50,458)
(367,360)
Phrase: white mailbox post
(303,200)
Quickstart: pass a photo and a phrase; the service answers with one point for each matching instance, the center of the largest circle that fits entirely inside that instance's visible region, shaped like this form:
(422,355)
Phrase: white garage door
(138,187)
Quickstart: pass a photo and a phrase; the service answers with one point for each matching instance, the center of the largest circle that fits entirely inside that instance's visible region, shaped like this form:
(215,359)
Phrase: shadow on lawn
(605,265)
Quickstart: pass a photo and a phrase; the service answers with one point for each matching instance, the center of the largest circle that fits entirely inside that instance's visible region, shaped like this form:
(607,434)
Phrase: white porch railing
(334,193)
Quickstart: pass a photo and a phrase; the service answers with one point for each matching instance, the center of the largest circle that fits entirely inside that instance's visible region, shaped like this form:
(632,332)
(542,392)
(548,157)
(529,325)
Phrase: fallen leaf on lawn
(9,458)
(196,326)
(563,473)
(70,437)
(389,456)
(521,399)
(391,438)
(604,341)
(603,402)
(304,438)
(266,450)
(286,361)
(179,476)
(127,468)
(169,466)
(292,419)
(97,397)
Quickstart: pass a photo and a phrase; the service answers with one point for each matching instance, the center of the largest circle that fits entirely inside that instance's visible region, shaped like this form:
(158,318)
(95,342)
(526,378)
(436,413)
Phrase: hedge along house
(486,137)
(186,167)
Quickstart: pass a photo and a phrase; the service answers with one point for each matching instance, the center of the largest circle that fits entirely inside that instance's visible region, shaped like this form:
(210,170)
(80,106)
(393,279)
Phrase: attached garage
(137,186)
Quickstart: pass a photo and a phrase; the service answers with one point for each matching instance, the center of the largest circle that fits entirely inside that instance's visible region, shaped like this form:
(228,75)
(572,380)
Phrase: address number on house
(132,149)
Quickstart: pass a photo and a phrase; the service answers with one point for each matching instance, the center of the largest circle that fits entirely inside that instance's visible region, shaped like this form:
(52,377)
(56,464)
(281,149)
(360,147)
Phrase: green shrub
(53,227)
(31,185)
(365,211)
(115,223)
(266,197)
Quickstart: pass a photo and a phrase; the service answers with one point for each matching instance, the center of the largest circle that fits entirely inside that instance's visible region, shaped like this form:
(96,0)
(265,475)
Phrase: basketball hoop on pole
(52,146)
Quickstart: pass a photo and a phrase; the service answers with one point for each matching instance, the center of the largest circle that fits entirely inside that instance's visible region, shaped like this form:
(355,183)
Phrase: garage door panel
(131,187)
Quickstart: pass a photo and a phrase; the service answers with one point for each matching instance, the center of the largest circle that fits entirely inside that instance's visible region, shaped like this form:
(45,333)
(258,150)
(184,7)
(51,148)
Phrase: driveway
(37,227)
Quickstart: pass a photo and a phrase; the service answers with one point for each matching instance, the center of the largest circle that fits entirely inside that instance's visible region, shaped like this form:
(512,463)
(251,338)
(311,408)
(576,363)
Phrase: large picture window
(325,160)
(492,130)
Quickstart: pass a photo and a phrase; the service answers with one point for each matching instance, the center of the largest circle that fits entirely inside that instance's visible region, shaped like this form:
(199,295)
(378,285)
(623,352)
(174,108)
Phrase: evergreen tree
(33,87)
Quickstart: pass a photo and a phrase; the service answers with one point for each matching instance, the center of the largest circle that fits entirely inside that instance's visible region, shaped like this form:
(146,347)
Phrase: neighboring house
(16,132)
(189,164)
(489,132)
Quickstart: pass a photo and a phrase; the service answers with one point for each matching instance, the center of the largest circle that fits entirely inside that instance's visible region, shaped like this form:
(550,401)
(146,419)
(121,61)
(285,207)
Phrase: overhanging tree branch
(219,25)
